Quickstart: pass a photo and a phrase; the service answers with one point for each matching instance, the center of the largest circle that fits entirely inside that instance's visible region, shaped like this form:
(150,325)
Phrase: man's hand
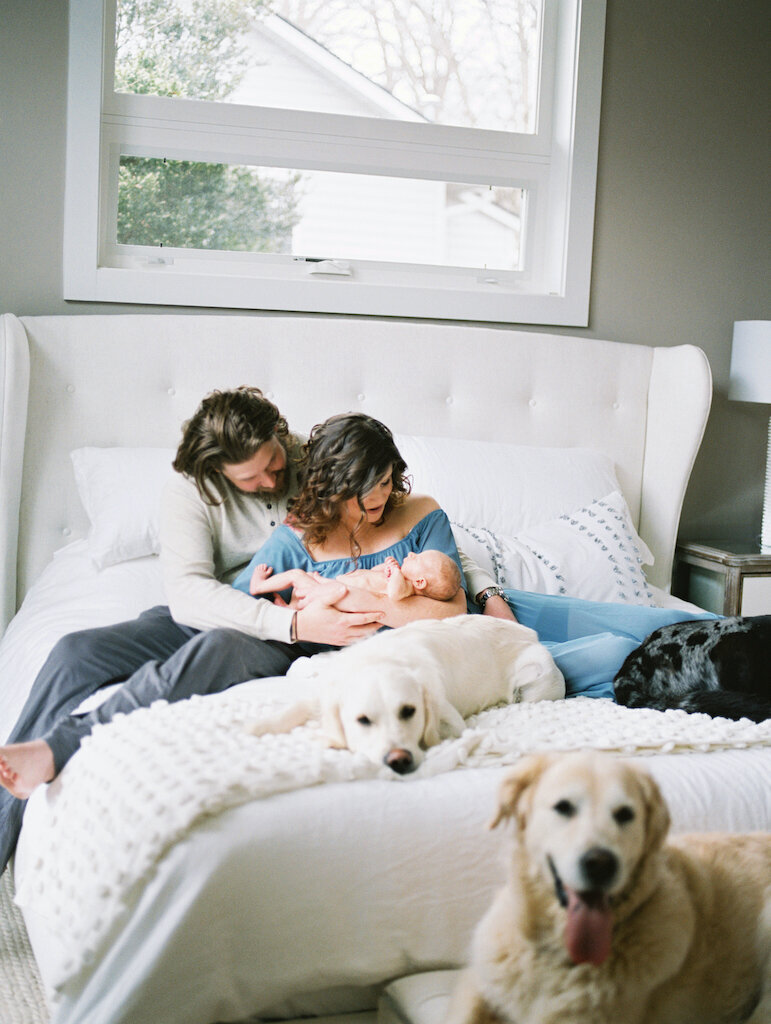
(499,609)
(319,622)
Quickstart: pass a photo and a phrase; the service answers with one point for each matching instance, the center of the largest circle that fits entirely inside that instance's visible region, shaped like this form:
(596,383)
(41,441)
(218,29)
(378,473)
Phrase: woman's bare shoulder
(416,506)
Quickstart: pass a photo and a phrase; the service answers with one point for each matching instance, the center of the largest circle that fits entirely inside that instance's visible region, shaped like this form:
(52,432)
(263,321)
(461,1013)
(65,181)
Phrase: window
(427,158)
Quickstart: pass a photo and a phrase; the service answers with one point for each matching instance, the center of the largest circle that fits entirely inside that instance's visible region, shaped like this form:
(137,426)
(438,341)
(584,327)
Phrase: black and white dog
(721,667)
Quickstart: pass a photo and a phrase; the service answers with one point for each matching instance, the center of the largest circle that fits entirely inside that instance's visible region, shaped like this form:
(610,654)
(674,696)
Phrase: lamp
(750,381)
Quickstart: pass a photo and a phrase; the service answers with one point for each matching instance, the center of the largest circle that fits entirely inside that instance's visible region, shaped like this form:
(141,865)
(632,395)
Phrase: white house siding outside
(356,216)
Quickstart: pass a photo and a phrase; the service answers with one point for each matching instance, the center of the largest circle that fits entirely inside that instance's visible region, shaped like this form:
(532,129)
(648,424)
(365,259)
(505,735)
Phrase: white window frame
(557,166)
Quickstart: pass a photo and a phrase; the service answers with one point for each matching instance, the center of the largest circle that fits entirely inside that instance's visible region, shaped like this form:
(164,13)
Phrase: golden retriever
(602,921)
(401,691)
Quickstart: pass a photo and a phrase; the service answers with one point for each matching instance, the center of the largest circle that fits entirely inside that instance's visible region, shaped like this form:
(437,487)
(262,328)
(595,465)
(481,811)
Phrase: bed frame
(131,380)
(70,381)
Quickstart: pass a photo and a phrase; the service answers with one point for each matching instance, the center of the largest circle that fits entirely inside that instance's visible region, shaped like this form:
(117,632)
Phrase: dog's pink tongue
(589,929)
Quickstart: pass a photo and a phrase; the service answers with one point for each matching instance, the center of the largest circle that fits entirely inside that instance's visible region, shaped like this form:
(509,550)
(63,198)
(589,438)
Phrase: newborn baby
(429,573)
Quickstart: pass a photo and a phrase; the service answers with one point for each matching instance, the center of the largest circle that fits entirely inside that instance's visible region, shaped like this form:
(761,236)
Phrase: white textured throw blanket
(142,782)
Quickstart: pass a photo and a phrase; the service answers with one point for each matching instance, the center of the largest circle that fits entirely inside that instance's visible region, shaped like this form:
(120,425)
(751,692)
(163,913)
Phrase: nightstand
(724,577)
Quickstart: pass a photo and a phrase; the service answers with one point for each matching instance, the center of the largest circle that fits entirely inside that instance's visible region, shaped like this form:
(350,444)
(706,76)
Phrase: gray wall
(681,246)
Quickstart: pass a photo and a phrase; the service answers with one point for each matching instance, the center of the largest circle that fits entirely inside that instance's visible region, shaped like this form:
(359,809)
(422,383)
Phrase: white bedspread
(141,783)
(405,896)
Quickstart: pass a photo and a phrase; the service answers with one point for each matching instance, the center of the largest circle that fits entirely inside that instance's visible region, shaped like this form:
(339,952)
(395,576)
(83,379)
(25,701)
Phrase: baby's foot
(24,766)
(260,573)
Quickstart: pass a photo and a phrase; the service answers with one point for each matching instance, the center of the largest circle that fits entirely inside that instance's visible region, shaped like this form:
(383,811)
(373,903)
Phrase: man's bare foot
(23,766)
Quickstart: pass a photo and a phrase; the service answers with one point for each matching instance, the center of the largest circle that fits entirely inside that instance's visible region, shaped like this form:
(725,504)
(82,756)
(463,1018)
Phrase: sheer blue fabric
(589,640)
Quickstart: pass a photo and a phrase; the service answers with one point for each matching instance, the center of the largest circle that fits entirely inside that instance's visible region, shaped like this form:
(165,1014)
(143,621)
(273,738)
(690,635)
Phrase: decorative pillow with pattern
(593,552)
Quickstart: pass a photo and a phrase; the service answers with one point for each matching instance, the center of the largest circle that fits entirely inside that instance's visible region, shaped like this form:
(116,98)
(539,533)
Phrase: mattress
(306,901)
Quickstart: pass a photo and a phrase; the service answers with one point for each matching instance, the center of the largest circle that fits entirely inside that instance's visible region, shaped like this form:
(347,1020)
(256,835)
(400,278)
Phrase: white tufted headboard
(70,381)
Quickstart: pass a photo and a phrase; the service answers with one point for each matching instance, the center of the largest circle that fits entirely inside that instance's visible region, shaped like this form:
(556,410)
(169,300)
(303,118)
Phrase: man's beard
(282,486)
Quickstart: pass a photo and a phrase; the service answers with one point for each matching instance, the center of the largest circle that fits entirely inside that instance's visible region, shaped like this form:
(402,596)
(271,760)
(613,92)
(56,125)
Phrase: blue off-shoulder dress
(284,550)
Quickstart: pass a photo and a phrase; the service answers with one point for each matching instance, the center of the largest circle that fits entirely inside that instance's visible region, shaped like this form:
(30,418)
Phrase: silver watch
(484,596)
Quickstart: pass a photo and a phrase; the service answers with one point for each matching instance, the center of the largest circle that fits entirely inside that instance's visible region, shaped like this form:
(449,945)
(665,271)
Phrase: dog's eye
(565,808)
(406,712)
(623,815)
(363,720)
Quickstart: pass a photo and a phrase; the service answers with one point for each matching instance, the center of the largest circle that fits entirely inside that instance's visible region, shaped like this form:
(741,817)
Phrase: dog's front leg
(467,1005)
(285,721)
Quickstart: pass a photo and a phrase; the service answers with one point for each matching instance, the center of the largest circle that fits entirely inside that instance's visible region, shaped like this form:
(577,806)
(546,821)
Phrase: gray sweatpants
(155,658)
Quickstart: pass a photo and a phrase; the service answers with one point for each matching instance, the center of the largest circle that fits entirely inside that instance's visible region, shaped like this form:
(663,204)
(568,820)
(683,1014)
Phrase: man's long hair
(228,427)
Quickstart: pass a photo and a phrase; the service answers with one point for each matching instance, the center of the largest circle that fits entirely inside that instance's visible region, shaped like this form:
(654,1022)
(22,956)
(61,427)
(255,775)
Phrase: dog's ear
(656,810)
(430,736)
(332,724)
(512,800)
(442,719)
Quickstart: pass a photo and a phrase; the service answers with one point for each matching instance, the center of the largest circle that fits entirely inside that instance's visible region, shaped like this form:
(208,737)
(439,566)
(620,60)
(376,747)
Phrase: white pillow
(120,489)
(593,552)
(500,487)
(504,487)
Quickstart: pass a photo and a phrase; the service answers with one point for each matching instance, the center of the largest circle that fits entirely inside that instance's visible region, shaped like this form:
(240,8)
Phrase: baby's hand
(390,564)
(260,574)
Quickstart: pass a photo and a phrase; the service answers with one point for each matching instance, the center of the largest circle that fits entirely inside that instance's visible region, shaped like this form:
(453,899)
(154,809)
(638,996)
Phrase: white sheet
(143,782)
(70,594)
(350,884)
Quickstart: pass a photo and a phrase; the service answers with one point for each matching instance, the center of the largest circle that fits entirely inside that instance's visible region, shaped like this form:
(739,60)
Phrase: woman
(355,511)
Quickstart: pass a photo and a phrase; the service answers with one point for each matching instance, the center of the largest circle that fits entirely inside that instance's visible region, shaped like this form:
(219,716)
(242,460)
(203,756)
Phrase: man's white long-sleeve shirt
(204,547)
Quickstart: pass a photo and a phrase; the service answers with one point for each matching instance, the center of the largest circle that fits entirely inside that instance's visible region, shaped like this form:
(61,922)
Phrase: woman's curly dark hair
(227,427)
(345,457)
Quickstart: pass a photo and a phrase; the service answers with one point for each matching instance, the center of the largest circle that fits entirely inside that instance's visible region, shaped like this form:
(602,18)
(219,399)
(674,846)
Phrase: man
(237,465)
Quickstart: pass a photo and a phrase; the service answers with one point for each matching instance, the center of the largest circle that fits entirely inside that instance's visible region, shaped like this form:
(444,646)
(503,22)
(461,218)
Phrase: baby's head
(432,573)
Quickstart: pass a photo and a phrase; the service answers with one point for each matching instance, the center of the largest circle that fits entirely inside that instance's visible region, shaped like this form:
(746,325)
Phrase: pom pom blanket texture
(142,782)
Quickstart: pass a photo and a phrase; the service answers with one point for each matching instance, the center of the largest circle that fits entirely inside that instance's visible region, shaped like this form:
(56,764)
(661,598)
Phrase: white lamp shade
(751,362)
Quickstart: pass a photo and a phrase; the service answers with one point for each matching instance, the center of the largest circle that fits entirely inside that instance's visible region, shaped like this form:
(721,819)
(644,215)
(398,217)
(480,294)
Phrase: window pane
(457,62)
(188,205)
(317,214)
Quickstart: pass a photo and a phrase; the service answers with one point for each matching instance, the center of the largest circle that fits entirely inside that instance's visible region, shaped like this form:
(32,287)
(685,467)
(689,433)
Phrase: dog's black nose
(599,867)
(400,761)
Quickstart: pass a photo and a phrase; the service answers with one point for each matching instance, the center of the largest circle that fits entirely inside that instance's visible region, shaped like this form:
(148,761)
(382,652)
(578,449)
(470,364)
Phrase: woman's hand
(399,613)
(306,588)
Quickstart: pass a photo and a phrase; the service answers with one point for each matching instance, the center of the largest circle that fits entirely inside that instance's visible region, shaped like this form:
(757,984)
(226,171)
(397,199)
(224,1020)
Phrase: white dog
(602,921)
(403,690)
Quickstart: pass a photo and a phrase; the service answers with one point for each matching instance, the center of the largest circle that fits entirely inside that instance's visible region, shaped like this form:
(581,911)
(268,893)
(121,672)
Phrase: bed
(219,880)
